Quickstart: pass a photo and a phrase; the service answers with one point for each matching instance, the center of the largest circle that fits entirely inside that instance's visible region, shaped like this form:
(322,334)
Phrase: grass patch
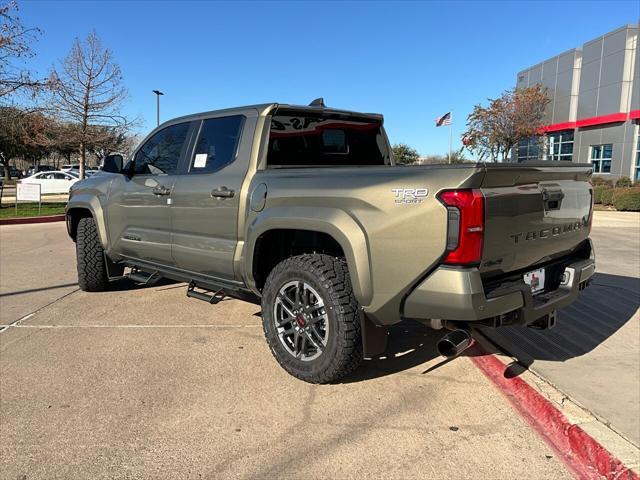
(31,209)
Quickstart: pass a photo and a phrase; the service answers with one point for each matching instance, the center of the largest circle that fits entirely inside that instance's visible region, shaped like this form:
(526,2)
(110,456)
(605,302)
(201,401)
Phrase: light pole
(158,93)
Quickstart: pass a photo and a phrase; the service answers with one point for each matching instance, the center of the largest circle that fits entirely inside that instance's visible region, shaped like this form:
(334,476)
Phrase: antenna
(318,102)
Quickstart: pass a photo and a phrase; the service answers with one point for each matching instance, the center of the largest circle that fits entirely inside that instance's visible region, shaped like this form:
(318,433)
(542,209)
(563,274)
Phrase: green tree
(23,134)
(403,154)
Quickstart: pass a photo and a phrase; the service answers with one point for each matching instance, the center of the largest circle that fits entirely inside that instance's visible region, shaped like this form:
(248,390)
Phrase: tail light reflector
(465,233)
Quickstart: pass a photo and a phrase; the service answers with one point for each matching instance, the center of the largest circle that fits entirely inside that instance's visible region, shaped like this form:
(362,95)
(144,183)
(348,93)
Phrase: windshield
(301,139)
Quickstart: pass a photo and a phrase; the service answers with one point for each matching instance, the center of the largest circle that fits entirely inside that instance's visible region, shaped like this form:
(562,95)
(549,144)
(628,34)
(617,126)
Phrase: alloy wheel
(301,320)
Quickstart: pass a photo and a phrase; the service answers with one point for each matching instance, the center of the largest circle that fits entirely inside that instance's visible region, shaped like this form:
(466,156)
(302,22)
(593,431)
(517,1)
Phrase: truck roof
(265,108)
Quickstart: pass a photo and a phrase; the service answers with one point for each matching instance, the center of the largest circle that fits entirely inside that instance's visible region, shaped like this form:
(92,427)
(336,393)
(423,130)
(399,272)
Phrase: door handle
(161,190)
(222,192)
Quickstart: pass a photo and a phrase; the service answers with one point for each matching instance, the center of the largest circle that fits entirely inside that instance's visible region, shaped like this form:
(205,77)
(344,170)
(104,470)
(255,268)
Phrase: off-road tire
(92,270)
(329,276)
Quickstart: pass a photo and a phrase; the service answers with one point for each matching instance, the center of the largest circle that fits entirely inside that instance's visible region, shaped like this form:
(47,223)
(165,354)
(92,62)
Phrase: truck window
(161,153)
(217,144)
(300,139)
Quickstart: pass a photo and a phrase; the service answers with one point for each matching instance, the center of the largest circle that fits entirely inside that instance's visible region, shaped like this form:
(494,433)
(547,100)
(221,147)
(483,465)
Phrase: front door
(206,199)
(139,207)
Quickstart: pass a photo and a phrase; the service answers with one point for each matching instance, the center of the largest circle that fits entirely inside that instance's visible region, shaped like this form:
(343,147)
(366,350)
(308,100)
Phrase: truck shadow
(599,312)
(124,284)
(409,344)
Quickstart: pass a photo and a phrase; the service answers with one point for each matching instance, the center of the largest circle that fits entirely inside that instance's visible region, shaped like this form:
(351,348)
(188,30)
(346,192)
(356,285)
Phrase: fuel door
(258,197)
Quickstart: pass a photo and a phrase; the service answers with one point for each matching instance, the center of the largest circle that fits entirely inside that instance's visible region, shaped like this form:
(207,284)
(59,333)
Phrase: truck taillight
(465,231)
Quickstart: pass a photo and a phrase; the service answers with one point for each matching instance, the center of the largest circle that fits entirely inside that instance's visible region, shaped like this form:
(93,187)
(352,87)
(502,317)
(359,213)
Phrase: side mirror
(113,163)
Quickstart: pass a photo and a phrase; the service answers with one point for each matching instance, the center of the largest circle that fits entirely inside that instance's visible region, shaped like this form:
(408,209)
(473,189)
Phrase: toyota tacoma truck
(303,209)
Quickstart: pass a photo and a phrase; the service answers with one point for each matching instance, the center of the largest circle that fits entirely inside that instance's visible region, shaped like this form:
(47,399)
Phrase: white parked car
(52,182)
(75,170)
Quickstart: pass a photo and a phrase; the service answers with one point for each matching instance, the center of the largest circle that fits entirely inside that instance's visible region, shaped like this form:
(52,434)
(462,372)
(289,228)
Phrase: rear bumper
(451,293)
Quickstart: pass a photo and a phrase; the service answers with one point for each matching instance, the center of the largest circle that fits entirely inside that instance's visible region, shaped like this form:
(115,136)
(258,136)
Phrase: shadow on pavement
(33,290)
(410,344)
(124,284)
(119,285)
(598,313)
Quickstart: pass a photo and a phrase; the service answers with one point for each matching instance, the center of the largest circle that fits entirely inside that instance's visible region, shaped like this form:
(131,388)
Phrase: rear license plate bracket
(535,280)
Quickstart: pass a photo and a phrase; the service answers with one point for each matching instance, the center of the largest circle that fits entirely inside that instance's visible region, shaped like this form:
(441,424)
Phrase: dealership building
(594,113)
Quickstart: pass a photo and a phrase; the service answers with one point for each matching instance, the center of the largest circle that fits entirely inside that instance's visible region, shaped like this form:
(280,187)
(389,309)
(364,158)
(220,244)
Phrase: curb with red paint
(581,453)
(23,220)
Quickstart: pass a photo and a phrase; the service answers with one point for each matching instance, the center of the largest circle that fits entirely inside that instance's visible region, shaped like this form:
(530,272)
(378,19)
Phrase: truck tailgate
(533,214)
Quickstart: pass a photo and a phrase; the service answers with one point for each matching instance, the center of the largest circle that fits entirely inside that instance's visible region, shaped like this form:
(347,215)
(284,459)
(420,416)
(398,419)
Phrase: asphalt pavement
(146,383)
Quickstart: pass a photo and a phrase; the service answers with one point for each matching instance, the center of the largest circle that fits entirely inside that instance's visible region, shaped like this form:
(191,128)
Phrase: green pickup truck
(302,208)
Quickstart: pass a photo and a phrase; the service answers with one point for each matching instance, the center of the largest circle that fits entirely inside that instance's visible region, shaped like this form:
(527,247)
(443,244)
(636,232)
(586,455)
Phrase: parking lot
(142,382)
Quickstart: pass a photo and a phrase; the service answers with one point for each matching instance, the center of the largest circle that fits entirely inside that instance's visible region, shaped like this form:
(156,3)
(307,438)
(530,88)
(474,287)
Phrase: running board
(205,295)
(145,278)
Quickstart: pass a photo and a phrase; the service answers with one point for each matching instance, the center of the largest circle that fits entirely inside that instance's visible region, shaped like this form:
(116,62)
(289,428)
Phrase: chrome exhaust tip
(454,343)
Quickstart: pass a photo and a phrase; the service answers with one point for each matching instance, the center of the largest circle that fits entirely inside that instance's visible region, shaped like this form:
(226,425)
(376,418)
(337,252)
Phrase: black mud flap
(374,338)
(114,270)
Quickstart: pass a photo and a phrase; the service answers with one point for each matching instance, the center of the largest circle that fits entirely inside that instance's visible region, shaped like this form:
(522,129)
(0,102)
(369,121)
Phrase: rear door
(63,182)
(534,214)
(53,182)
(207,199)
(139,208)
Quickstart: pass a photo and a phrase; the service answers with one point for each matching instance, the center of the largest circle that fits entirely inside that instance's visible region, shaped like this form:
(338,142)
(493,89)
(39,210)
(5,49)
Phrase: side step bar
(205,295)
(145,278)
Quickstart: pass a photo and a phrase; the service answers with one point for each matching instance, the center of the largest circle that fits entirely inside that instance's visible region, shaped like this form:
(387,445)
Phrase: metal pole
(450,134)
(158,93)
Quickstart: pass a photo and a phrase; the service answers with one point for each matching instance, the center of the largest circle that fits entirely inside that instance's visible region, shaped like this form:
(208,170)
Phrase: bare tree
(493,131)
(15,49)
(88,92)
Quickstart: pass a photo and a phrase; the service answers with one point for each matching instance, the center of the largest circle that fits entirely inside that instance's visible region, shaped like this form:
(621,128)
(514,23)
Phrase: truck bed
(404,224)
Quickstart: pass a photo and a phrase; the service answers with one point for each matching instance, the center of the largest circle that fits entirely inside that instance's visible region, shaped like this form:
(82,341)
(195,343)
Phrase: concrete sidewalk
(593,354)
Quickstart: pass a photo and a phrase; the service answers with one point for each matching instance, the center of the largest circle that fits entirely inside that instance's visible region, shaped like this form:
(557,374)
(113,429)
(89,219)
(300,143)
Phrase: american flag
(444,120)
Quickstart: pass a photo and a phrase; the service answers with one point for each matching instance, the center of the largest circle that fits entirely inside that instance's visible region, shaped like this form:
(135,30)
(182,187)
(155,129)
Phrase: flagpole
(450,133)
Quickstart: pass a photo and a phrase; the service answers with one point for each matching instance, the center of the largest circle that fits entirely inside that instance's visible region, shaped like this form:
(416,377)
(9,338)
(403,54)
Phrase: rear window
(308,139)
(217,144)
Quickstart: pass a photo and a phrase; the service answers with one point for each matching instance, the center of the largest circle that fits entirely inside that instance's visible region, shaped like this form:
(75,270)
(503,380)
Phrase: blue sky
(411,61)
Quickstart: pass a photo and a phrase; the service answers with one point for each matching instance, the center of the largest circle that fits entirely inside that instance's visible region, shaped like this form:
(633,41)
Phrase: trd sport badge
(410,195)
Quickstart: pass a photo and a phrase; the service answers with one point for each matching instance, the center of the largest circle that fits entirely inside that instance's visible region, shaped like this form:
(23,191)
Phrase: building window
(560,146)
(636,177)
(554,146)
(601,158)
(529,149)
